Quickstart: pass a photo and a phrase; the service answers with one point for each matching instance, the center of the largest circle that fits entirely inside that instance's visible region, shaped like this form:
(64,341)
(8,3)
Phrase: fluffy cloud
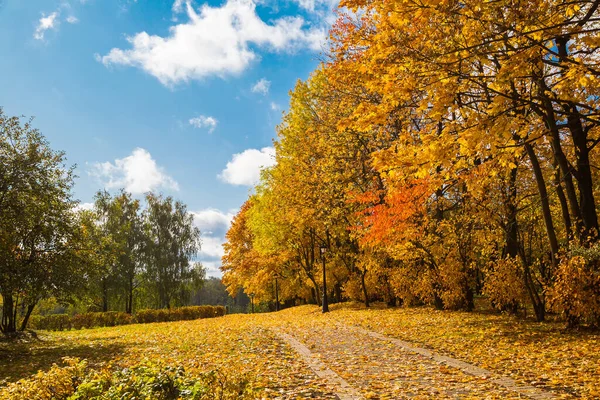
(137,173)
(178,5)
(212,268)
(213,226)
(275,106)
(212,221)
(318,6)
(204,122)
(216,41)
(244,168)
(262,87)
(85,206)
(72,19)
(45,23)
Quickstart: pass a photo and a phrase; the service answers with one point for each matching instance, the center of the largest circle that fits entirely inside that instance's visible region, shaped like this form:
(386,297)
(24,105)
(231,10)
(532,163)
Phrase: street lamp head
(252,295)
(323,249)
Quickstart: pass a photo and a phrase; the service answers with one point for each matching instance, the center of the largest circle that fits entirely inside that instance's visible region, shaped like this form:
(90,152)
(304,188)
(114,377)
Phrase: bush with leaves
(504,285)
(179,314)
(576,291)
(100,319)
(53,322)
(59,322)
(146,380)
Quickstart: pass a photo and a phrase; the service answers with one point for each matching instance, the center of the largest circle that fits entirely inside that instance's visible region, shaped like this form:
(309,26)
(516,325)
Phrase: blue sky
(180,97)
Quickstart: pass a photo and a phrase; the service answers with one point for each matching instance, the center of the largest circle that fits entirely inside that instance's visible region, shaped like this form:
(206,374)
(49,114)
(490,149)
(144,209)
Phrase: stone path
(360,364)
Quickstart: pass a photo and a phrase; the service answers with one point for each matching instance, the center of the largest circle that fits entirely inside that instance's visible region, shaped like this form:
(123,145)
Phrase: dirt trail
(360,364)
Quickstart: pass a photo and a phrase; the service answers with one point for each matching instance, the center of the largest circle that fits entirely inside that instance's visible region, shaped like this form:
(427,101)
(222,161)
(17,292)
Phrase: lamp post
(277,276)
(325,302)
(252,301)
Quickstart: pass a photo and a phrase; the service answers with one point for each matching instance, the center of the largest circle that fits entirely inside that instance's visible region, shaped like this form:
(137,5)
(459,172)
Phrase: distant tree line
(117,256)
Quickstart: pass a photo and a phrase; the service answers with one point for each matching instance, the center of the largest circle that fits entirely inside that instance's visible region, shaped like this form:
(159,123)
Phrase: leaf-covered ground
(544,355)
(564,364)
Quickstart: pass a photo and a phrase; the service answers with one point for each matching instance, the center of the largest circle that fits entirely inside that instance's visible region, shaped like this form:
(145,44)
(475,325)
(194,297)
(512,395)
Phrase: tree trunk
(547,214)
(438,303)
(364,288)
(511,231)
(539,306)
(469,296)
(566,169)
(30,308)
(338,292)
(563,203)
(584,178)
(316,289)
(104,296)
(584,172)
(129,301)
(9,324)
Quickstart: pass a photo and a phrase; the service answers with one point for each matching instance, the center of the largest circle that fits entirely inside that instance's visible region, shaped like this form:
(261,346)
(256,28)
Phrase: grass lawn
(247,348)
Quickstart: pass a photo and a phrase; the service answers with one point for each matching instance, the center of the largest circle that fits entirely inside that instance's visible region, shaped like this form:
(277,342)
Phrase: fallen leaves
(539,354)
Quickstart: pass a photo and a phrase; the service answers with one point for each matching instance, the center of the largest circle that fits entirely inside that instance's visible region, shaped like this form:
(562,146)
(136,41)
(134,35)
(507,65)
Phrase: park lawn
(543,355)
(236,346)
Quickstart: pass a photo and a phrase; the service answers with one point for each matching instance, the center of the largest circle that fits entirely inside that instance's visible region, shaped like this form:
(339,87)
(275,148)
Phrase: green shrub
(101,319)
(53,322)
(179,314)
(59,322)
(147,316)
(146,380)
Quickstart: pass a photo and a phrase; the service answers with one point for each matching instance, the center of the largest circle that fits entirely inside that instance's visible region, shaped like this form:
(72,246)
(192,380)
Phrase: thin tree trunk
(563,203)
(8,321)
(537,301)
(364,287)
(511,244)
(129,301)
(547,214)
(30,308)
(104,296)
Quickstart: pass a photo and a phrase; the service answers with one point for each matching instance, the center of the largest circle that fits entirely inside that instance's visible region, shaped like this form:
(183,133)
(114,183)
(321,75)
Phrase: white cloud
(178,5)
(244,168)
(318,6)
(216,41)
(212,221)
(262,87)
(204,122)
(45,23)
(72,19)
(213,268)
(275,106)
(137,173)
(85,206)
(213,225)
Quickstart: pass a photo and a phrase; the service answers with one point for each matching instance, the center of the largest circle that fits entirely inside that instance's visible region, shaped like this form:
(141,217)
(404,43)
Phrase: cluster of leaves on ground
(244,354)
(146,380)
(544,355)
(229,348)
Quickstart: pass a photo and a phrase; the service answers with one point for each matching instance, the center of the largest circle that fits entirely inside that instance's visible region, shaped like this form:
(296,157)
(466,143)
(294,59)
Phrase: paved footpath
(359,364)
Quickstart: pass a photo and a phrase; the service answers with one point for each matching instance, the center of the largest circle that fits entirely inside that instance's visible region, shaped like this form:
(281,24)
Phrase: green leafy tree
(40,234)
(171,244)
(121,222)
